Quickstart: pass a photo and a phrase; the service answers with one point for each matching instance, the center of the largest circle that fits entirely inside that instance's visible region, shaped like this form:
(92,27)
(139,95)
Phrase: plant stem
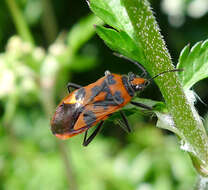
(47,99)
(49,23)
(158,60)
(19,21)
(67,163)
(10,108)
(7,119)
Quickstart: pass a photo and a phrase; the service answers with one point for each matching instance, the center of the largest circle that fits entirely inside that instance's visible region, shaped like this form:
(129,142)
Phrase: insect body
(92,104)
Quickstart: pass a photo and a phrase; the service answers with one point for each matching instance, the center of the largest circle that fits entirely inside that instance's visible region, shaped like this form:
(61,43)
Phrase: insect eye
(138,87)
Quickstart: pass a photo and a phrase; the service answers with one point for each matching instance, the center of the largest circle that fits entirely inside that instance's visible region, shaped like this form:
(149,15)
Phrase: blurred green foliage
(33,80)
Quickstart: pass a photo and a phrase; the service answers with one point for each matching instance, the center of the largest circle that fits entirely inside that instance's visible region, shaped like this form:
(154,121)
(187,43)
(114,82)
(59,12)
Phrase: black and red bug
(93,104)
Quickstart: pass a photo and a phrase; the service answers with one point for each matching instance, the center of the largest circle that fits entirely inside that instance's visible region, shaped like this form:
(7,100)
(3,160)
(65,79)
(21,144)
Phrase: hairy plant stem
(19,21)
(158,60)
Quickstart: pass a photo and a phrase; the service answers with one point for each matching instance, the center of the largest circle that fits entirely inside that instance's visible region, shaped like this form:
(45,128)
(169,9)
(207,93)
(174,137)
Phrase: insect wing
(99,105)
(94,113)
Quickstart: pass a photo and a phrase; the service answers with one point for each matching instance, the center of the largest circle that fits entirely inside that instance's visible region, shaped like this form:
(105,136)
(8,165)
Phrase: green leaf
(165,121)
(194,61)
(113,13)
(120,42)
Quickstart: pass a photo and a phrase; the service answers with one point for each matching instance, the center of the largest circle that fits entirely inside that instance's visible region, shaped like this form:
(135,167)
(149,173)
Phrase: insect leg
(72,85)
(92,136)
(141,105)
(125,121)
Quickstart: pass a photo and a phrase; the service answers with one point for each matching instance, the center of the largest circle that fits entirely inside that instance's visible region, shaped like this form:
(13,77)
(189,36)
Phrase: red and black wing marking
(92,115)
(103,102)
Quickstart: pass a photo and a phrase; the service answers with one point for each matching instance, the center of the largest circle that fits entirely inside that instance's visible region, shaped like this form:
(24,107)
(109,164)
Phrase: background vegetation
(44,44)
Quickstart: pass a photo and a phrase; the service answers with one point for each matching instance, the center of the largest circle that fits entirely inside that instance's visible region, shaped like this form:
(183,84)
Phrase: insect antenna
(148,81)
(144,72)
(173,70)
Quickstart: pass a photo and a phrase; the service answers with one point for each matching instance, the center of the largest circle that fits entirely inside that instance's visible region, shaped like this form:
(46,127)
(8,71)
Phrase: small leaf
(184,53)
(120,42)
(165,121)
(113,13)
(195,64)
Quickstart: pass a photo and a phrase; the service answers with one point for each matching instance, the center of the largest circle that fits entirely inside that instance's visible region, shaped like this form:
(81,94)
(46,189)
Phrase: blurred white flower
(197,8)
(173,7)
(175,11)
(28,84)
(26,47)
(57,49)
(145,186)
(48,71)
(22,70)
(14,44)
(17,46)
(39,53)
(7,80)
